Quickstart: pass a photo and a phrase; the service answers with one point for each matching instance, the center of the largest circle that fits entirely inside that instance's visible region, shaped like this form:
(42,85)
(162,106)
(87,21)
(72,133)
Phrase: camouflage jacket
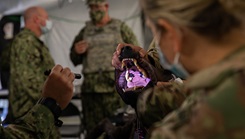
(155,103)
(152,56)
(214,108)
(97,69)
(36,124)
(29,59)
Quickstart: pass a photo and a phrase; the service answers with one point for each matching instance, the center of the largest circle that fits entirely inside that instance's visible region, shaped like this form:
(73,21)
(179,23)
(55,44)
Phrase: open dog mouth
(133,76)
(138,74)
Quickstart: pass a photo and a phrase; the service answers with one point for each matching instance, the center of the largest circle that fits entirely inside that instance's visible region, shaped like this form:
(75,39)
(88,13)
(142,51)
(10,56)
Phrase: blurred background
(68,17)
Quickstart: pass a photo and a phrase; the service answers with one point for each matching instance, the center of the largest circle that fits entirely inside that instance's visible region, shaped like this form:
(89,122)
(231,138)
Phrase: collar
(32,34)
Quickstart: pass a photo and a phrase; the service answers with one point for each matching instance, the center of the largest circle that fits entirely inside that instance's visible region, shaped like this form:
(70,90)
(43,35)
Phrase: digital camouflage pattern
(153,57)
(155,103)
(98,73)
(36,124)
(100,82)
(102,44)
(214,108)
(99,106)
(29,59)
(97,69)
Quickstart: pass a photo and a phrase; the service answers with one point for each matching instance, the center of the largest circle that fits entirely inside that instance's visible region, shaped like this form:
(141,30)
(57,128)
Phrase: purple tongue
(136,79)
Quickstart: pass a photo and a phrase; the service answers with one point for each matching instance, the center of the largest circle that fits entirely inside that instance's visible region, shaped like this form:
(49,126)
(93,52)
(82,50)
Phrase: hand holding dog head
(116,62)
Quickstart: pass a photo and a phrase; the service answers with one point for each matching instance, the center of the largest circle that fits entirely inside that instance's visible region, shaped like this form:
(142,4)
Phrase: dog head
(138,75)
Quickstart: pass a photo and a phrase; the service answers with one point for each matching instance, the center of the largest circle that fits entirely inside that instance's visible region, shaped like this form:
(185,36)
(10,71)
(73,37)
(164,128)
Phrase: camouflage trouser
(97,106)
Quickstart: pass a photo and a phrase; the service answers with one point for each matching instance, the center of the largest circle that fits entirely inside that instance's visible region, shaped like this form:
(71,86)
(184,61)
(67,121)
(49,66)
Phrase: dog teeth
(144,73)
(135,63)
(125,59)
(123,64)
(140,69)
(127,75)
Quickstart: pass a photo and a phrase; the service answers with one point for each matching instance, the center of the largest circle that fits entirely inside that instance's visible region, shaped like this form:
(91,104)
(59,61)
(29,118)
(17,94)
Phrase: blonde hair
(207,17)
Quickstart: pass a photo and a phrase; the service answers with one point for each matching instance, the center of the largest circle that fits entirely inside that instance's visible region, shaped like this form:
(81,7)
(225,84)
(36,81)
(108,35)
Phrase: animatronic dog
(138,75)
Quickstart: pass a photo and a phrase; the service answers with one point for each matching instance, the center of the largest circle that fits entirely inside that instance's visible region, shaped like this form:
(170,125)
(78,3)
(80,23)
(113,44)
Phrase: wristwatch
(51,104)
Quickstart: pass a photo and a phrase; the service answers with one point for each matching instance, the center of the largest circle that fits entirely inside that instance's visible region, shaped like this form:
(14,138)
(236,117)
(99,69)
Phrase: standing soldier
(29,58)
(93,47)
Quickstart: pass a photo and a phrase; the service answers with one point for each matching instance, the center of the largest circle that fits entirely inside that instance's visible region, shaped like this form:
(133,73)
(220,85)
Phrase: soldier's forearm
(37,123)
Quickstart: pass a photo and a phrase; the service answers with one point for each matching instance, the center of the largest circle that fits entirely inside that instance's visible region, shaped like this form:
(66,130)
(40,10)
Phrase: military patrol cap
(95,1)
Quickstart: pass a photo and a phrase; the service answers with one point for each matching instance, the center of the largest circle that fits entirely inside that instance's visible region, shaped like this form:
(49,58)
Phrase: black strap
(54,108)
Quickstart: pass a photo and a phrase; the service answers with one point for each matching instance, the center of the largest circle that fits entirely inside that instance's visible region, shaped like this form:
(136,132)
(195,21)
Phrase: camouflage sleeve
(155,103)
(76,58)
(36,124)
(25,70)
(127,35)
(215,114)
(153,57)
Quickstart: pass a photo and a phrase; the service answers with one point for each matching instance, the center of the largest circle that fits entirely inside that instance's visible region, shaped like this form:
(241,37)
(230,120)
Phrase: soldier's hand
(59,85)
(81,47)
(115,60)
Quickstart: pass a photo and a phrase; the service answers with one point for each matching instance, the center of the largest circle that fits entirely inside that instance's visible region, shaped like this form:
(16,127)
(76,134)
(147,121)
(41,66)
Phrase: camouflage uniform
(29,59)
(168,96)
(99,98)
(153,57)
(161,100)
(214,108)
(36,124)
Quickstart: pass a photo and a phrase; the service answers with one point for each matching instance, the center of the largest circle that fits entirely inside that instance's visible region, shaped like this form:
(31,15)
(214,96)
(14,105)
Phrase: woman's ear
(172,34)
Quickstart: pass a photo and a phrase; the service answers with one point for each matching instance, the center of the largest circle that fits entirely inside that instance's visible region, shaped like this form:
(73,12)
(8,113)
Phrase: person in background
(29,58)
(42,118)
(5,42)
(92,48)
(205,40)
